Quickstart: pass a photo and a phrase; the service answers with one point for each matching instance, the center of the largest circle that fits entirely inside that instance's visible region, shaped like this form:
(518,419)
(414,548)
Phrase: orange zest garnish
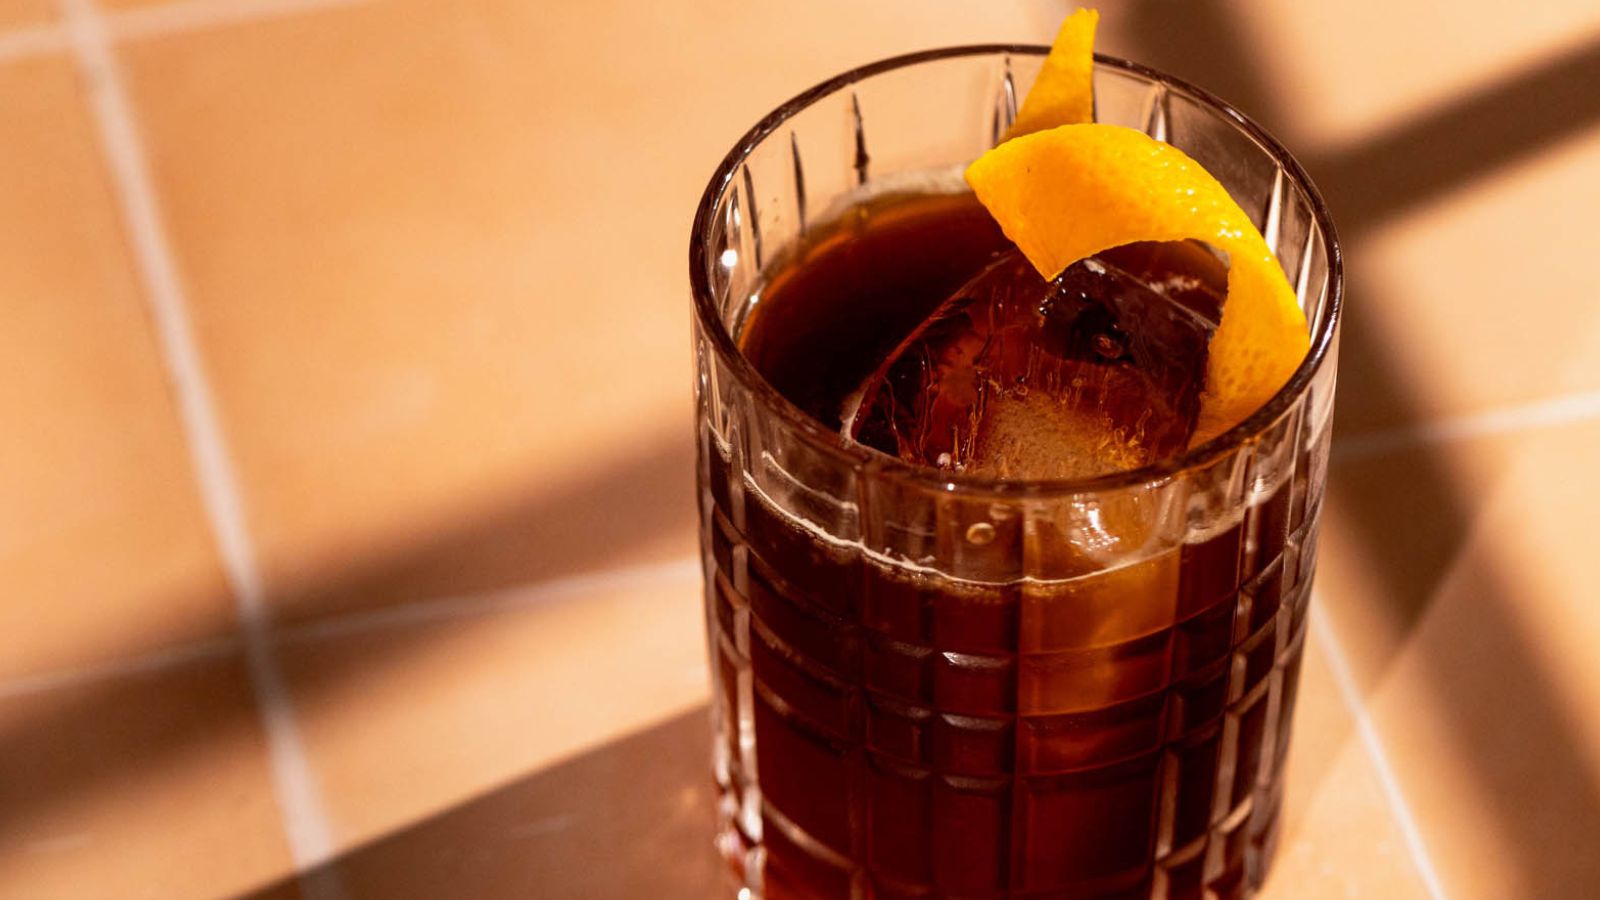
(1065,190)
(1063,94)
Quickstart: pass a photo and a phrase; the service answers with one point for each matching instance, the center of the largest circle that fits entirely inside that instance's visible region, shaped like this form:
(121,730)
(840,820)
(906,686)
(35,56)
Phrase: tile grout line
(305,822)
(511,599)
(124,667)
(1565,409)
(409,614)
(1372,745)
(173,17)
(30,41)
(180,16)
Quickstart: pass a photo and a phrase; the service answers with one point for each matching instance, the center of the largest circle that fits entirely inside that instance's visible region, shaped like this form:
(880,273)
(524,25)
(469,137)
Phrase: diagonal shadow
(1461,140)
(636,499)
(633,818)
(1525,757)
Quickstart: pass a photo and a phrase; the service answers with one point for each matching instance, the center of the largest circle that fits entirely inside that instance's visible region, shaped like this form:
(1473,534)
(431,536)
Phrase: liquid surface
(833,313)
(919,331)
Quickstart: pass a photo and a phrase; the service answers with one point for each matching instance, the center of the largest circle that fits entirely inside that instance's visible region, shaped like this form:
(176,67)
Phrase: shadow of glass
(630,819)
(1526,759)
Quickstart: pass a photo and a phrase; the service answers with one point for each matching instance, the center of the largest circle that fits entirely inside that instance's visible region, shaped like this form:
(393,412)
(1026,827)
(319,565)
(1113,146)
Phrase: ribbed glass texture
(935,687)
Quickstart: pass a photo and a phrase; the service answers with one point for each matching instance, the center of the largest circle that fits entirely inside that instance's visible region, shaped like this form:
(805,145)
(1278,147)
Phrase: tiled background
(346,529)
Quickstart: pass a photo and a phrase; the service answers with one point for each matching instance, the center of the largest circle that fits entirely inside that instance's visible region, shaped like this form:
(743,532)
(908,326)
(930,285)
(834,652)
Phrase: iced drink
(983,623)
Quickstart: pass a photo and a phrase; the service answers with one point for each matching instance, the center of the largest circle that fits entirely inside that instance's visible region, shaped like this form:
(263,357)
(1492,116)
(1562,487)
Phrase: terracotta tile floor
(346,509)
(104,549)
(146,784)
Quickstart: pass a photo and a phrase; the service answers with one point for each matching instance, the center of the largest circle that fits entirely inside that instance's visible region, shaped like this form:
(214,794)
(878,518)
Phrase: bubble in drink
(1013,377)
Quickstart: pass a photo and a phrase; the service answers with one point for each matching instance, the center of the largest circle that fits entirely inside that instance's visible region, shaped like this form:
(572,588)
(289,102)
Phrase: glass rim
(880,464)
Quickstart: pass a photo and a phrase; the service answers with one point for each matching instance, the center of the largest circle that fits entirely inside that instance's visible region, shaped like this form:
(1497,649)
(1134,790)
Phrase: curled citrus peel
(1064,191)
(1064,91)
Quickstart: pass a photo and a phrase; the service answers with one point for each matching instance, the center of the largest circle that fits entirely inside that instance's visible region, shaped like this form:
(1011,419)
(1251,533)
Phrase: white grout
(510,599)
(1579,407)
(1388,782)
(404,615)
(194,15)
(132,666)
(36,40)
(538,828)
(299,799)
(177,17)
(65,843)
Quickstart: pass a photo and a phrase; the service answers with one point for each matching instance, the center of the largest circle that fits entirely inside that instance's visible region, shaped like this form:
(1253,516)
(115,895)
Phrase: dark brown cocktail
(981,624)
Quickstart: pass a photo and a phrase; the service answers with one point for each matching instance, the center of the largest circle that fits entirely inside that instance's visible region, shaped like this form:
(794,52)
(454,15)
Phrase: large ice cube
(1015,377)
